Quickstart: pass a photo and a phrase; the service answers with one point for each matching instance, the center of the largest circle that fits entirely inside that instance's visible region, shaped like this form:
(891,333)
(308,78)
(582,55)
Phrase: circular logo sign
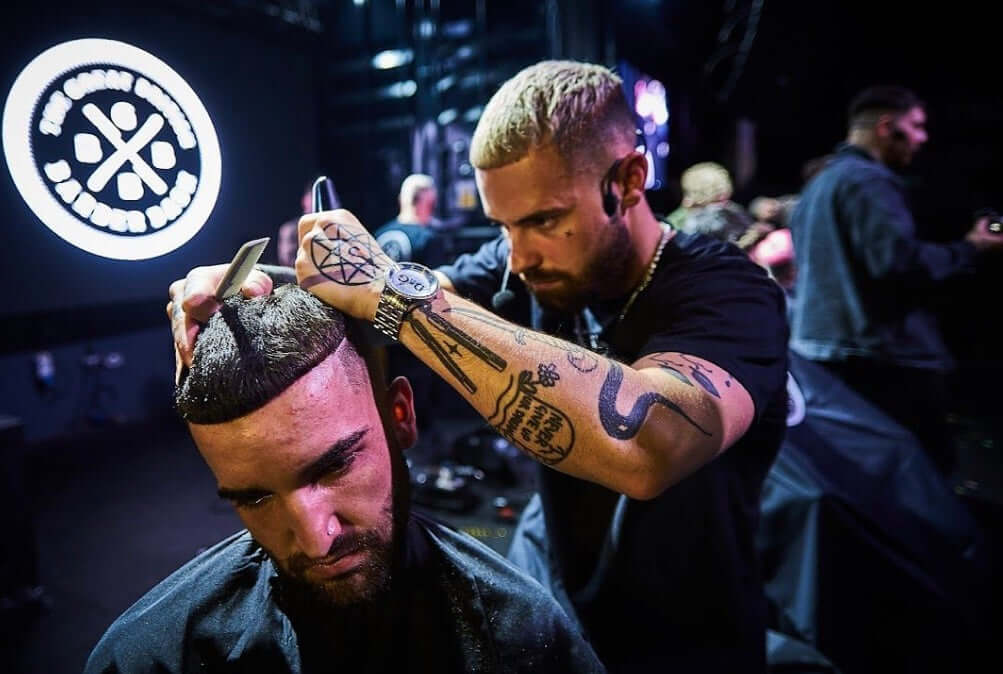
(111,149)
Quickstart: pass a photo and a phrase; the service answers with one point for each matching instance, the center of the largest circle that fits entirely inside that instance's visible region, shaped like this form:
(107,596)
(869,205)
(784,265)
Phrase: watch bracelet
(390,313)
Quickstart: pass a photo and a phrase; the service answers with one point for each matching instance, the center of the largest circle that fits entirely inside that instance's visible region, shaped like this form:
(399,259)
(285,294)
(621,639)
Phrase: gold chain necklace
(648,275)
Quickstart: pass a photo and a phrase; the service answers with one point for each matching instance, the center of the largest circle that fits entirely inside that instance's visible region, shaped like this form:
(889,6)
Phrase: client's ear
(400,405)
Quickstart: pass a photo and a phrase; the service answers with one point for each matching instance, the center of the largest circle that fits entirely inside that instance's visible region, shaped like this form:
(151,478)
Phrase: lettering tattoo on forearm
(346,257)
(623,427)
(536,426)
(696,371)
(580,359)
(449,353)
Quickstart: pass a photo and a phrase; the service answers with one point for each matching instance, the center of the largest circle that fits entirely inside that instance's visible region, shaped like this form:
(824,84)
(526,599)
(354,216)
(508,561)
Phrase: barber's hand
(982,238)
(193,301)
(341,263)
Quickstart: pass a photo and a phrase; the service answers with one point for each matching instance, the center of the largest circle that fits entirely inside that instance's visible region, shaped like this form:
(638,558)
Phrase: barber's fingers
(193,301)
(184,329)
(186,302)
(198,290)
(257,283)
(323,219)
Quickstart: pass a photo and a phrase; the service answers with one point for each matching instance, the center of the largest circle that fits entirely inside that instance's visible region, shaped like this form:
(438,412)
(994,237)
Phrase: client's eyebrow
(332,458)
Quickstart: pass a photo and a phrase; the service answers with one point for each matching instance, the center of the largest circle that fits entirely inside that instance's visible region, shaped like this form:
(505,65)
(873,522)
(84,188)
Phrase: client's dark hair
(252,350)
(867,105)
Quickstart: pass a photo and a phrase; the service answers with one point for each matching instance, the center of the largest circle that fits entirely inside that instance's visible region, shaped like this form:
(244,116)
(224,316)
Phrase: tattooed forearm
(495,361)
(538,427)
(346,257)
(623,427)
(578,358)
(445,358)
(448,353)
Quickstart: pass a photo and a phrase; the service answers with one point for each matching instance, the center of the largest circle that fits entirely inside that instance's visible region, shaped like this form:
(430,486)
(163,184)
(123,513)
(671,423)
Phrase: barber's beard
(602,276)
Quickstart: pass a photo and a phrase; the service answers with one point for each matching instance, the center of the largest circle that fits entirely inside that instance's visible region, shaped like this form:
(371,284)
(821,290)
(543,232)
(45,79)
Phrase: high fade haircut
(867,106)
(252,350)
(579,109)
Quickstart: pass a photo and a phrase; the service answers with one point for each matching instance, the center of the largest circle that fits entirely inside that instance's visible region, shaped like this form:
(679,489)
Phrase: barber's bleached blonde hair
(578,108)
(705,183)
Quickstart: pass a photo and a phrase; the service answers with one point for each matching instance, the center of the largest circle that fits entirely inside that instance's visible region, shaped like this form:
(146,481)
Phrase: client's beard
(369,587)
(368,584)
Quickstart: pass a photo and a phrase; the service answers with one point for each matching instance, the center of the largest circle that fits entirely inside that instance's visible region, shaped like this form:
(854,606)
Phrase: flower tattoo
(547,374)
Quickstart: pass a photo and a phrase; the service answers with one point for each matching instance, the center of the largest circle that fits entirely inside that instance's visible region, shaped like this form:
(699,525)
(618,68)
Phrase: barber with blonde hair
(647,376)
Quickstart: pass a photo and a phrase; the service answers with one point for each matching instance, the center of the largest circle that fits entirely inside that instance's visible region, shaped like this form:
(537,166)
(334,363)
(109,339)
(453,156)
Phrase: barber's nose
(312,523)
(522,254)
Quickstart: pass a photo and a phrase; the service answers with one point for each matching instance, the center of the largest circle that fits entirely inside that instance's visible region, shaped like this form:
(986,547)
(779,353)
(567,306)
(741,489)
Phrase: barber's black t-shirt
(678,581)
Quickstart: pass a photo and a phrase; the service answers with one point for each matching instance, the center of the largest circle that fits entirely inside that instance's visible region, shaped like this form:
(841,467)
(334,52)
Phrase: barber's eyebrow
(541,215)
(333,457)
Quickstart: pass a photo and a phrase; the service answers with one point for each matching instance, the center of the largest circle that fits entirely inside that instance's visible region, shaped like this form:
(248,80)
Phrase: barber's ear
(400,405)
(885,126)
(633,174)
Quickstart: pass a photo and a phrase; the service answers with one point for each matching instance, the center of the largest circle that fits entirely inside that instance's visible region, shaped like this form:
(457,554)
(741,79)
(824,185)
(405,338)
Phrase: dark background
(114,496)
(293,95)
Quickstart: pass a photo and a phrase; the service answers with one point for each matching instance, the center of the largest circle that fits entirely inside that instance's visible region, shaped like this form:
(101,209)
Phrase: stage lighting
(392,58)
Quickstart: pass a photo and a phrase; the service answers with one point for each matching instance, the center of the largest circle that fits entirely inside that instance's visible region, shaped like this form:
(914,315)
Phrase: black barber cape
(670,584)
(462,609)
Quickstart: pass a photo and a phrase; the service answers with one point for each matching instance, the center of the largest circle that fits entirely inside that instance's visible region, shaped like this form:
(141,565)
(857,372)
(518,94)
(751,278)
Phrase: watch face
(412,280)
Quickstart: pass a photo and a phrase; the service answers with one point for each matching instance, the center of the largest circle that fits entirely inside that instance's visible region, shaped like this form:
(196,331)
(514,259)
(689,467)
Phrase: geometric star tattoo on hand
(348,258)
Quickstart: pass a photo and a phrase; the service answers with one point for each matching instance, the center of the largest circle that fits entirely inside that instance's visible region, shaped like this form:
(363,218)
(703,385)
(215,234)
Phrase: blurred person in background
(411,236)
(707,207)
(860,303)
(771,244)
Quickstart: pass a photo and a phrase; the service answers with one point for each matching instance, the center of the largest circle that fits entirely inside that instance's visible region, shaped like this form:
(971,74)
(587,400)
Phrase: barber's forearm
(566,407)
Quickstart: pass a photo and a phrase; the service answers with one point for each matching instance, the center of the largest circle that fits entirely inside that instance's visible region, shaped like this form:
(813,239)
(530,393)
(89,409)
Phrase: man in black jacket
(863,277)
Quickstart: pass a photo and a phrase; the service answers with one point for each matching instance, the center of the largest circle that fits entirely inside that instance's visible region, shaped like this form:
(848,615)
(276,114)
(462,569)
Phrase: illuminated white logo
(111,149)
